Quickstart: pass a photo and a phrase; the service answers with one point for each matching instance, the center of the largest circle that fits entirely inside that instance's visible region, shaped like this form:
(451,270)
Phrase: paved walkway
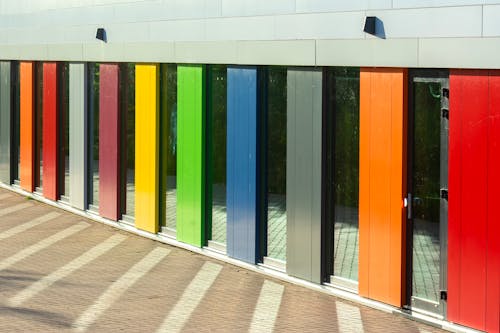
(61,272)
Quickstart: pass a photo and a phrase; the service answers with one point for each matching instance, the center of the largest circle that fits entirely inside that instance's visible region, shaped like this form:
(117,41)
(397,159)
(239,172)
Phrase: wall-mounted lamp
(370,25)
(101,34)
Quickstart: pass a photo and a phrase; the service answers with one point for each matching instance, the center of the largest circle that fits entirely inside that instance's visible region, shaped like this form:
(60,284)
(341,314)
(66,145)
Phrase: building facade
(349,144)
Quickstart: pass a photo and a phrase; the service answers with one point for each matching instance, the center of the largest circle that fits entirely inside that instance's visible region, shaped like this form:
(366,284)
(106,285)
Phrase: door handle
(408,205)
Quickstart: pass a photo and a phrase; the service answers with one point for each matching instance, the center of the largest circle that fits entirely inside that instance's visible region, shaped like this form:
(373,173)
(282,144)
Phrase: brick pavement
(122,291)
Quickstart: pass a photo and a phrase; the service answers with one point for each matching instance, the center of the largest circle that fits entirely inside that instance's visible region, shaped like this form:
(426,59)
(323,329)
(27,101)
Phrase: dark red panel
(474,161)
(493,232)
(50,131)
(109,144)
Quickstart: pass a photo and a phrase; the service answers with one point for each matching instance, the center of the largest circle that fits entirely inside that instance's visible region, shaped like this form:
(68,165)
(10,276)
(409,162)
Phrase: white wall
(304,32)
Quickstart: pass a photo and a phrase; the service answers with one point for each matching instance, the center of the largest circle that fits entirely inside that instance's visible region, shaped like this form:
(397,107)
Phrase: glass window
(342,168)
(127,113)
(216,154)
(168,144)
(15,98)
(64,127)
(38,96)
(276,104)
(93,134)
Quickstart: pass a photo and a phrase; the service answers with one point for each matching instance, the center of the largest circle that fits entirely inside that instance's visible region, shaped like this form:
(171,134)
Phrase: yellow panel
(146,146)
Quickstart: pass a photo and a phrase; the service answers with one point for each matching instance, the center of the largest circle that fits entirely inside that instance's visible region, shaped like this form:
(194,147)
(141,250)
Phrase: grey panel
(5,122)
(304,124)
(78,135)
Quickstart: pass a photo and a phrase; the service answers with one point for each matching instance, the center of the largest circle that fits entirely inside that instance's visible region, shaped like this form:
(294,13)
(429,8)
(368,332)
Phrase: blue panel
(242,221)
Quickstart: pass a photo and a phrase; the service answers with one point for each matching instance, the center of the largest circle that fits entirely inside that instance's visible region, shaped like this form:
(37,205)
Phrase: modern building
(351,144)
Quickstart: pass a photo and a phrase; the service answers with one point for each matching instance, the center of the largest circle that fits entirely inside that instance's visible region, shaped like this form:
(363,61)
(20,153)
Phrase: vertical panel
(5,122)
(109,144)
(382,171)
(473,222)
(146,147)
(190,158)
(242,222)
(78,134)
(27,108)
(50,131)
(304,114)
(493,233)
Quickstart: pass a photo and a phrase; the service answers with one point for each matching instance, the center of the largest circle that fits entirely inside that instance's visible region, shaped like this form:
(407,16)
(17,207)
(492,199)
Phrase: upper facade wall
(411,30)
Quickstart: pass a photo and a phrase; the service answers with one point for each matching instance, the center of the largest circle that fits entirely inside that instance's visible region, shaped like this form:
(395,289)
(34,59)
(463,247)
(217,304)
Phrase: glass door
(427,200)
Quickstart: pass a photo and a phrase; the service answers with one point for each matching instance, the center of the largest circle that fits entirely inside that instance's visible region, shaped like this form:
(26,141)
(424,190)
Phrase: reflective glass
(276,162)
(15,93)
(426,189)
(168,144)
(216,168)
(64,127)
(342,155)
(93,133)
(127,113)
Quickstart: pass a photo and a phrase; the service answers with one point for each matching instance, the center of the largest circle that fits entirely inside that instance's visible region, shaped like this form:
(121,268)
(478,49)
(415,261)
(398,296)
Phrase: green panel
(190,154)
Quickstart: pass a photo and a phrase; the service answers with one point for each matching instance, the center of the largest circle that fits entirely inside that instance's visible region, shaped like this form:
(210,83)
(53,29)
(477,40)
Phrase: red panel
(109,144)
(493,233)
(474,232)
(50,131)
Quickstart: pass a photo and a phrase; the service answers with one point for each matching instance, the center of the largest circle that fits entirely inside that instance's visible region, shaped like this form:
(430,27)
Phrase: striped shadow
(66,270)
(267,308)
(191,298)
(348,318)
(4,196)
(30,224)
(114,291)
(15,208)
(26,252)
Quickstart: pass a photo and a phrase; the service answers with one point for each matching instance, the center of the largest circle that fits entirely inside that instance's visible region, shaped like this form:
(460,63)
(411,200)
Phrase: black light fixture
(370,25)
(101,34)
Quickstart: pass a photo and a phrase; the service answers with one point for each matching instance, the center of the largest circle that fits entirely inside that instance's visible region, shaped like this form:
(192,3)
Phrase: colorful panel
(191,154)
(5,122)
(109,143)
(146,147)
(473,229)
(303,173)
(382,184)
(242,211)
(78,134)
(27,132)
(50,131)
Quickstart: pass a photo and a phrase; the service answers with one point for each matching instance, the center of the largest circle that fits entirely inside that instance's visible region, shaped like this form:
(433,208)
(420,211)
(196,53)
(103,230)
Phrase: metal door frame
(414,303)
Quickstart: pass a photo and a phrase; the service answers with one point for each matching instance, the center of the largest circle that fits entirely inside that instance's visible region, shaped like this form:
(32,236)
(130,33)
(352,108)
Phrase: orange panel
(27,126)
(382,184)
